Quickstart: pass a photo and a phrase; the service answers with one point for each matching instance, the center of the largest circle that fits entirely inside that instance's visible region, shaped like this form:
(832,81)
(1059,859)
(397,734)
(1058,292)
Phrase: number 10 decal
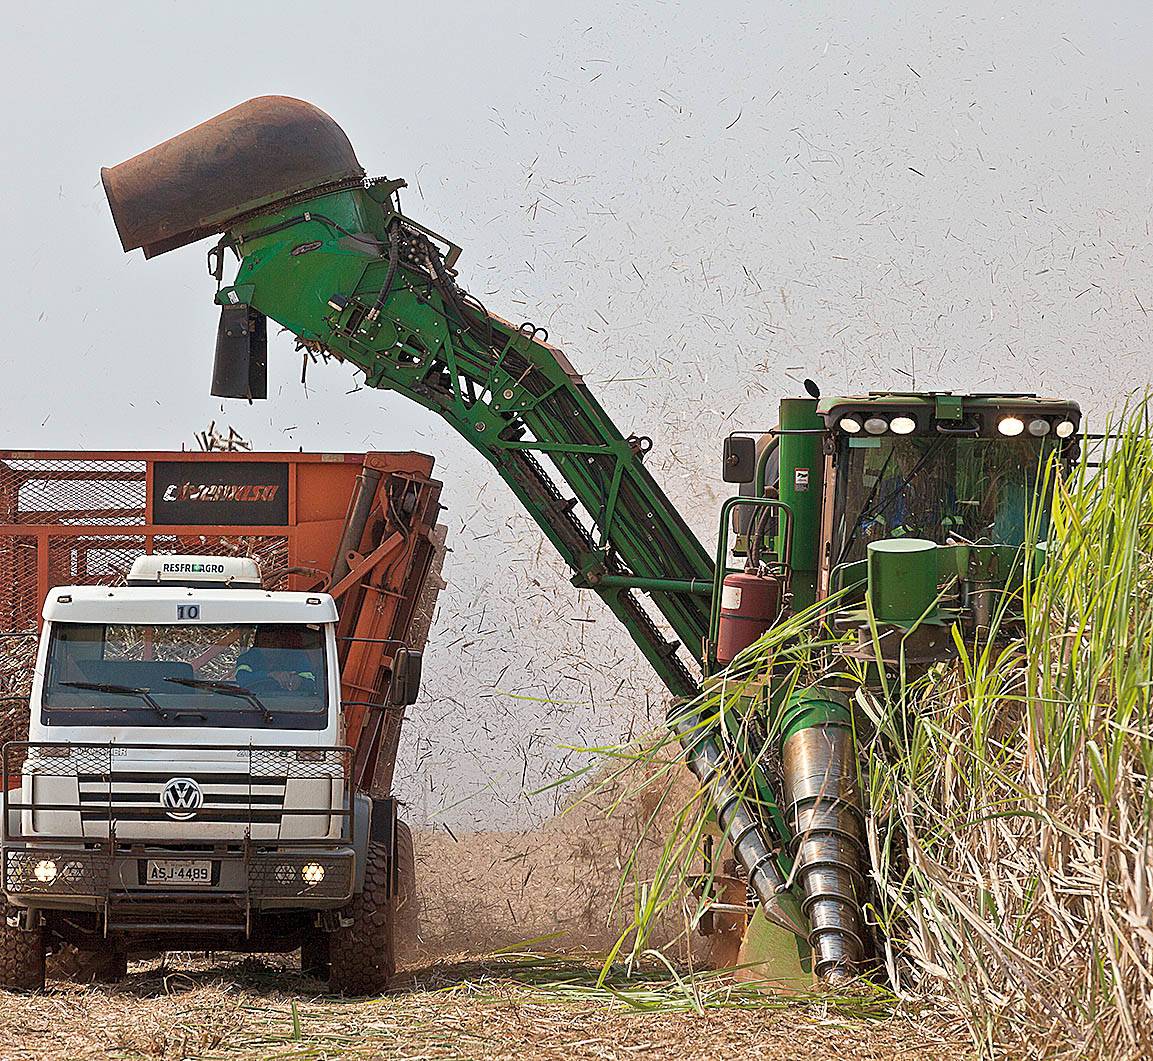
(188,611)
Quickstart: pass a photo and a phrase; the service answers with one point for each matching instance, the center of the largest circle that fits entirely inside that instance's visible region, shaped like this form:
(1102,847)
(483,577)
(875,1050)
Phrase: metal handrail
(721,569)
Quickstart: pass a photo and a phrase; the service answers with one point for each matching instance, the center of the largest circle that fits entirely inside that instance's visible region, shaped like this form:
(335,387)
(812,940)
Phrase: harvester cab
(912,512)
(931,500)
(907,509)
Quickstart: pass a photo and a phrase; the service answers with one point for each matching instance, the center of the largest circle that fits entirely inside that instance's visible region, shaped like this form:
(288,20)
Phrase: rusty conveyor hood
(194,185)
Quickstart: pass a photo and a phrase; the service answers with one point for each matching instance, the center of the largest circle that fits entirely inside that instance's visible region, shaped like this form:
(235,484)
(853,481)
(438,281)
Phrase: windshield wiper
(869,510)
(225,689)
(120,690)
(865,507)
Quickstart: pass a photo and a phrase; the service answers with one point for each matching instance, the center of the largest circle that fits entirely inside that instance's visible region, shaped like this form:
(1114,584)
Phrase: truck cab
(185,776)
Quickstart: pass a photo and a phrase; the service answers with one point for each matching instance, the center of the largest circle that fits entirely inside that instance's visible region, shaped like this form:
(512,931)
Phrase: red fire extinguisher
(750,605)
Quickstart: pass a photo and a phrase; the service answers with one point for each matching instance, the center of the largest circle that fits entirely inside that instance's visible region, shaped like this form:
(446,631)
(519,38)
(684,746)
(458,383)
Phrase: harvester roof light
(1038,428)
(1011,426)
(903,425)
(876,425)
(1065,428)
(850,425)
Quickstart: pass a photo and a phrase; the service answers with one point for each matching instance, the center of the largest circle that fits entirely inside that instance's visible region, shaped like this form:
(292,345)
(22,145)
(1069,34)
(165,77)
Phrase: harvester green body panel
(774,956)
(902,579)
(802,464)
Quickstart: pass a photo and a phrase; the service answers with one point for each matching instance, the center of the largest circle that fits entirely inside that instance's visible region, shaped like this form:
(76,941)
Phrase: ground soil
(191,1008)
(478,894)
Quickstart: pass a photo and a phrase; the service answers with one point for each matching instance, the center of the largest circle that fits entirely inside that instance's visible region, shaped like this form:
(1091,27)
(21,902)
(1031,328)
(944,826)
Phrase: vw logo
(182,798)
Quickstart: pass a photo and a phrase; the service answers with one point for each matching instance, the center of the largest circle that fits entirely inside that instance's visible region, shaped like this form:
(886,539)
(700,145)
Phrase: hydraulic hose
(393,261)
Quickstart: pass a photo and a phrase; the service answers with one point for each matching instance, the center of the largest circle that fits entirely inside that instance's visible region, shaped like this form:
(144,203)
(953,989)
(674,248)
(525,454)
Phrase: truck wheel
(314,955)
(406,904)
(361,954)
(21,954)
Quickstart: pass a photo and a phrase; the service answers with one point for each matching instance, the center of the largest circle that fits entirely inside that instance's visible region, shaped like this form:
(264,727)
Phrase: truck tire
(361,953)
(406,903)
(21,954)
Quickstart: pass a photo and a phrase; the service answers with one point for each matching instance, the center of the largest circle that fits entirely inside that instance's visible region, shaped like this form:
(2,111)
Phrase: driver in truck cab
(283,666)
(276,670)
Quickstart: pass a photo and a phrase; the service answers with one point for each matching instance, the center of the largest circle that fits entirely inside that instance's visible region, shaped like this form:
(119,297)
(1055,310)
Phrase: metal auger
(705,756)
(824,814)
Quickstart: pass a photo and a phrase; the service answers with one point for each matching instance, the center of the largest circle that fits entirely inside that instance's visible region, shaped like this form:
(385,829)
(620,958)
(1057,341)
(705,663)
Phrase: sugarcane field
(554,532)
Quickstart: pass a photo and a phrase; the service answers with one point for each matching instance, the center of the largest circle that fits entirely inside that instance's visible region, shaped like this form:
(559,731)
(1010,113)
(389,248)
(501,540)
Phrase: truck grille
(136,796)
(217,793)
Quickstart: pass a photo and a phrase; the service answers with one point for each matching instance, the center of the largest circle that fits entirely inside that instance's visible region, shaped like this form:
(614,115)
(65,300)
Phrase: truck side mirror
(740,459)
(405,684)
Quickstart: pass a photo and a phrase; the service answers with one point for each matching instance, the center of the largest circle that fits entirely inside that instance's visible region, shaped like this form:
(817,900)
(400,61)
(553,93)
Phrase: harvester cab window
(937,487)
(229,676)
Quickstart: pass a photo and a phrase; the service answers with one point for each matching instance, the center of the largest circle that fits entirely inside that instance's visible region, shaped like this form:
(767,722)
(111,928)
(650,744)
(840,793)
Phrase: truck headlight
(313,873)
(45,871)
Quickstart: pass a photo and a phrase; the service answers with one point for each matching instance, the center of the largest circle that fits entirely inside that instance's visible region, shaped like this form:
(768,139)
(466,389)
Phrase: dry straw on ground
(491,1009)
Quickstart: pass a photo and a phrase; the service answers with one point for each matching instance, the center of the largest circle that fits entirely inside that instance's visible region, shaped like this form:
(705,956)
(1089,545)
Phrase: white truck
(187,785)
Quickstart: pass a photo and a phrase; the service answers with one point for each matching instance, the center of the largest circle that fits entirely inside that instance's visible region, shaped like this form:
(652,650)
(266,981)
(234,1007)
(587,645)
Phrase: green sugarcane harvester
(910,507)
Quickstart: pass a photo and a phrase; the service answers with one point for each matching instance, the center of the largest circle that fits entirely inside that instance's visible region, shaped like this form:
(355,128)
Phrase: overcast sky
(703,204)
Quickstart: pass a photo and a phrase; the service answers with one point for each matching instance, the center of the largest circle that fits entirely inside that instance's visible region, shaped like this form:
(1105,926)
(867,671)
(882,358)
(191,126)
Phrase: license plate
(169,871)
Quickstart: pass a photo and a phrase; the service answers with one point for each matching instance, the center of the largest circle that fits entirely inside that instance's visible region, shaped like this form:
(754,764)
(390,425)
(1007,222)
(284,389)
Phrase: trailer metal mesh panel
(72,491)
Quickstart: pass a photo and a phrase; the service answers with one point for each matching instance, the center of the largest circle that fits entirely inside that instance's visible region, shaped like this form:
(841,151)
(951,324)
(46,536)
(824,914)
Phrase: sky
(703,205)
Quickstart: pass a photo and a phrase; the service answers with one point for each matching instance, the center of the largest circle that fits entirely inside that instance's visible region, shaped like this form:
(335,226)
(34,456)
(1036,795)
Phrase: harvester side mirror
(740,459)
(405,684)
(240,369)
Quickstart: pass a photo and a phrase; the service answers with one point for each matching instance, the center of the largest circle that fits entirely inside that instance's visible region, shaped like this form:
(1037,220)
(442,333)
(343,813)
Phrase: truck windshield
(934,487)
(259,675)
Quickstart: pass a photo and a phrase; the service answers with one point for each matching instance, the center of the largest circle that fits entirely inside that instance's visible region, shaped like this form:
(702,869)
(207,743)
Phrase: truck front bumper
(105,840)
(242,877)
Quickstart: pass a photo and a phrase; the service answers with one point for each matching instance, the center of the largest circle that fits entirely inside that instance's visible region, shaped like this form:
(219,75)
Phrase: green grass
(1010,815)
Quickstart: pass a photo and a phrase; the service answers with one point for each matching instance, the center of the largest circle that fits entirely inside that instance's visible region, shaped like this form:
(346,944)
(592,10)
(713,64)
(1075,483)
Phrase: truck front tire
(21,953)
(361,953)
